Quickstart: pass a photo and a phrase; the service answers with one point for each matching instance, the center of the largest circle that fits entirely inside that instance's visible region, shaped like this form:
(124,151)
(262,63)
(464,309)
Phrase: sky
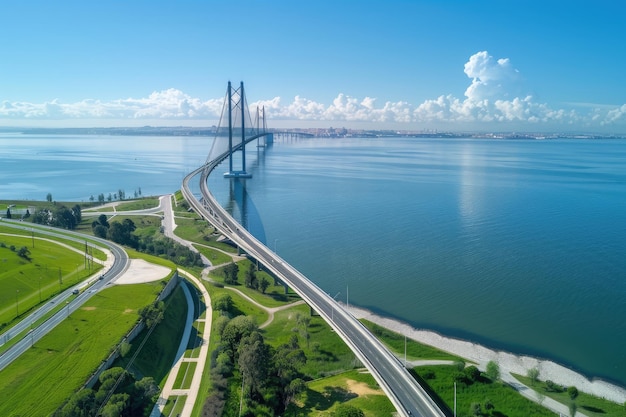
(420,65)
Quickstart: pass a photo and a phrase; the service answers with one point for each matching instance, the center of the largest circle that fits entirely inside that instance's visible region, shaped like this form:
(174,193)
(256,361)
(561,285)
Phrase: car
(75,292)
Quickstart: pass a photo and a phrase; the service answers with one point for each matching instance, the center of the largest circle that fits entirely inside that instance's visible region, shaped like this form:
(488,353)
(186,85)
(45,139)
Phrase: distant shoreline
(322,133)
(508,362)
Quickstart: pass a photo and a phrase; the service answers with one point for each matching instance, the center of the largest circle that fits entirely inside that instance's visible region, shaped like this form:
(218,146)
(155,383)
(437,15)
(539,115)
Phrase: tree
(223,302)
(472,373)
(102,219)
(254,359)
(230,273)
(251,281)
(8,213)
(235,330)
(533,374)
(572,409)
(100,231)
(76,211)
(493,370)
(264,284)
(23,252)
(292,391)
(572,392)
(346,410)
(153,314)
(49,198)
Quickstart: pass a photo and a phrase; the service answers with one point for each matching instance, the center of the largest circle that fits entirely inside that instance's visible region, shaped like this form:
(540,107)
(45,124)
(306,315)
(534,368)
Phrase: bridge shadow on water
(249,216)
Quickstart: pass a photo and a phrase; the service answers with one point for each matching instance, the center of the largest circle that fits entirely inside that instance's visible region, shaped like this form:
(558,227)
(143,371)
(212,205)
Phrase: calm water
(518,245)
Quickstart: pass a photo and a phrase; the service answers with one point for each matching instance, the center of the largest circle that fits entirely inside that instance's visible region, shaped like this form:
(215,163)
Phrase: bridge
(408,397)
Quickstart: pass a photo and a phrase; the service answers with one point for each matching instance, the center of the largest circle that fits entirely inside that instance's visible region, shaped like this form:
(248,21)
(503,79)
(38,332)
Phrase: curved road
(120,264)
(406,394)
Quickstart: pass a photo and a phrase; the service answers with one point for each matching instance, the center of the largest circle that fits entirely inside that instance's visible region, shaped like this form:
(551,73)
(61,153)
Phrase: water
(76,167)
(517,245)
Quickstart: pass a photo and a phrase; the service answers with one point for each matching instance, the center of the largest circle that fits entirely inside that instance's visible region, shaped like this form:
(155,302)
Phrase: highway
(405,393)
(70,301)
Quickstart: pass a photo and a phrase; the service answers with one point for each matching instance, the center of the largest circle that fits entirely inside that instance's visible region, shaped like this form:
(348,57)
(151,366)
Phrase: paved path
(188,395)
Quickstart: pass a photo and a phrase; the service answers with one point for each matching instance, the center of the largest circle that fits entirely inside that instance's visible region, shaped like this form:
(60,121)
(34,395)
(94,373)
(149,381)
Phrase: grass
(138,204)
(34,228)
(506,400)
(588,404)
(214,256)
(324,394)
(326,353)
(274,294)
(194,229)
(156,357)
(395,342)
(26,283)
(46,375)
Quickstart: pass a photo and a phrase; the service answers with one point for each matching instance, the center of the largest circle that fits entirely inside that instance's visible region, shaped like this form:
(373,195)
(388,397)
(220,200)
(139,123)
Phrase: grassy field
(414,350)
(138,204)
(27,282)
(34,232)
(48,373)
(587,404)
(356,387)
(157,354)
(505,399)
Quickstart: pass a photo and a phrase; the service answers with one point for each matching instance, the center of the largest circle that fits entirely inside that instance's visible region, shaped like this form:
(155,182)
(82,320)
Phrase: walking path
(188,395)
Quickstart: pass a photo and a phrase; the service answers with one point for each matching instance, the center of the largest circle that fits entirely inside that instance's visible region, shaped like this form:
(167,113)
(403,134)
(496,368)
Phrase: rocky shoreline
(508,362)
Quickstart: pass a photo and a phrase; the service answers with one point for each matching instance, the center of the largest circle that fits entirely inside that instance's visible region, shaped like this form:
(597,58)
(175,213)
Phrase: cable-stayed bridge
(408,397)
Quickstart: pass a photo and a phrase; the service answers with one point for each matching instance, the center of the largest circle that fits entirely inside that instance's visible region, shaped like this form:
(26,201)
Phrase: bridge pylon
(236,100)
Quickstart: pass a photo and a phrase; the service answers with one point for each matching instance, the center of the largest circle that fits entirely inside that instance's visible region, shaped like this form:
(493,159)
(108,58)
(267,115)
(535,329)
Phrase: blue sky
(478,65)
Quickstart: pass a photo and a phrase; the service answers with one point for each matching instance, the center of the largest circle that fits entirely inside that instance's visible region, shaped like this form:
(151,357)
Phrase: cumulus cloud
(491,78)
(493,98)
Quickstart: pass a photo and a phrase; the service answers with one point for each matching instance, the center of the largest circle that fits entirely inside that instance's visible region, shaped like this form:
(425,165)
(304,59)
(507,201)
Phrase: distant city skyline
(488,65)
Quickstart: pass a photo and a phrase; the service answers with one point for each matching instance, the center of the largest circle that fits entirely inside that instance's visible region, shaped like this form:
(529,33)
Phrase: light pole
(405,351)
(332,312)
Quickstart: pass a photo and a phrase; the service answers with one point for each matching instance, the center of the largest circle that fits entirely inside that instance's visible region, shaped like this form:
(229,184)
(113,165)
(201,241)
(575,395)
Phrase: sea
(518,245)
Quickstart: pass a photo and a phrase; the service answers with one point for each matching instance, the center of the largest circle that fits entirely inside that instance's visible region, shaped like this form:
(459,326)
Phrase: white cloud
(491,78)
(493,100)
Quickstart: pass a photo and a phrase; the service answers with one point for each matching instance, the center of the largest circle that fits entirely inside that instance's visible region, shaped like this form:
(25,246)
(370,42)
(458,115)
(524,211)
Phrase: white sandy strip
(141,271)
(508,362)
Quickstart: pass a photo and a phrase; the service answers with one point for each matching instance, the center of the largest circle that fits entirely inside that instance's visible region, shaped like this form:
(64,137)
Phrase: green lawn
(138,204)
(414,350)
(46,375)
(356,387)
(214,256)
(588,404)
(506,400)
(157,354)
(26,283)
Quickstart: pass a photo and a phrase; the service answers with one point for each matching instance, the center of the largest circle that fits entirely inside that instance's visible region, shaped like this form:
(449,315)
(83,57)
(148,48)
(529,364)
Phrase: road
(66,298)
(405,393)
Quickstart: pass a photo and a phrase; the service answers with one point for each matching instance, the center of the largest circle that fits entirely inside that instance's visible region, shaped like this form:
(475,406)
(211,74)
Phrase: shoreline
(508,362)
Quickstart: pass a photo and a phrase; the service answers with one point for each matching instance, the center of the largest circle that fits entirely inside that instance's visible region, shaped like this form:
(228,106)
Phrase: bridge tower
(261,127)
(236,104)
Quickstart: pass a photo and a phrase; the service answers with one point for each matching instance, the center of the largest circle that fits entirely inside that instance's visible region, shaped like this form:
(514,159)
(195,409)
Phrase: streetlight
(332,312)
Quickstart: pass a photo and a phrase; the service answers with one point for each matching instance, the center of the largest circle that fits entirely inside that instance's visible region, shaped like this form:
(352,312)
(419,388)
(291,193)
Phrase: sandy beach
(508,362)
